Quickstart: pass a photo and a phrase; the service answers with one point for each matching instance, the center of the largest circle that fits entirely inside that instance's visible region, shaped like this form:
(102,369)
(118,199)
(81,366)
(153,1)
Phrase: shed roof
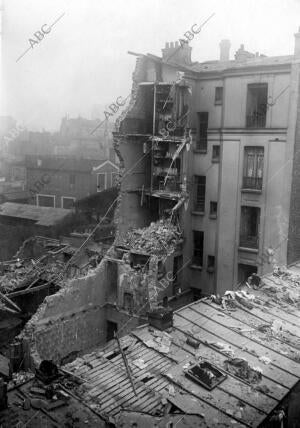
(247,325)
(42,216)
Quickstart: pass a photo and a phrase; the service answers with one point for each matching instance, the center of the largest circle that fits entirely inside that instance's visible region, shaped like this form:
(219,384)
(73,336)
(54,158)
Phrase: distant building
(55,181)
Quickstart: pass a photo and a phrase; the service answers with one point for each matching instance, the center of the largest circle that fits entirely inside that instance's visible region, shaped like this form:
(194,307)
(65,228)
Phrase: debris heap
(160,238)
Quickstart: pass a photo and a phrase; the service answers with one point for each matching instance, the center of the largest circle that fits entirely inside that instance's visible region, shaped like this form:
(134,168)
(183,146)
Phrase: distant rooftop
(42,216)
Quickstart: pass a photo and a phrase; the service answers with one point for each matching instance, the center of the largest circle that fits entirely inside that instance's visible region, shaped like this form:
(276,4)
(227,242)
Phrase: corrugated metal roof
(257,323)
(43,216)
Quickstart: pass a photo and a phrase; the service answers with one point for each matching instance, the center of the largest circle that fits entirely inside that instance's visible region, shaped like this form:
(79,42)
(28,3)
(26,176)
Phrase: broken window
(249,229)
(257,105)
(200,185)
(205,375)
(202,131)
(216,154)
(198,238)
(253,168)
(219,95)
(213,209)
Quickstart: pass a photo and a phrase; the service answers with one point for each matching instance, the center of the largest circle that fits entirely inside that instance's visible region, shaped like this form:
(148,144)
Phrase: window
(202,131)
(249,229)
(213,209)
(101,182)
(46,201)
(200,185)
(114,179)
(210,263)
(253,168)
(257,105)
(198,238)
(67,202)
(128,301)
(219,95)
(216,154)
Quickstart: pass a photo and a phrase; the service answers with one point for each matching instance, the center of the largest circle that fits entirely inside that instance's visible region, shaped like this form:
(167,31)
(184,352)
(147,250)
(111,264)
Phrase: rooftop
(251,336)
(42,216)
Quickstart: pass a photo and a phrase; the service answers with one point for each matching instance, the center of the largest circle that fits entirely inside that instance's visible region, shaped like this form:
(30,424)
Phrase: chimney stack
(177,53)
(224,50)
(297,44)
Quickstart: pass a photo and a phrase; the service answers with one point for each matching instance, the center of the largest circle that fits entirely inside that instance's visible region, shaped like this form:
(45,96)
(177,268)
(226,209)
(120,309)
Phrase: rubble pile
(22,273)
(160,238)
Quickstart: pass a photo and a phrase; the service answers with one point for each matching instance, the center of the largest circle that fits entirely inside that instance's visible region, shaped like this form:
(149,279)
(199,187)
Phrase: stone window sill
(249,250)
(199,213)
(213,216)
(256,191)
(215,160)
(195,267)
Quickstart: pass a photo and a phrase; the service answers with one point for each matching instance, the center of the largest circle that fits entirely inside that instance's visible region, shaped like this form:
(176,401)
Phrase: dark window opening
(253,168)
(219,95)
(257,96)
(205,375)
(111,328)
(46,201)
(198,248)
(202,131)
(200,186)
(210,263)
(213,209)
(249,227)
(244,272)
(68,203)
(128,301)
(216,153)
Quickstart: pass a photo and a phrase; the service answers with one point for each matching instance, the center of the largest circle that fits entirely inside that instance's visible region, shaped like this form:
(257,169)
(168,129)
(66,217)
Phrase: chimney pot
(224,50)
(167,45)
(172,45)
(176,44)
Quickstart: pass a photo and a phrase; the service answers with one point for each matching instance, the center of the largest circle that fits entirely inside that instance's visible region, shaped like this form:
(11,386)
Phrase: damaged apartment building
(211,148)
(209,195)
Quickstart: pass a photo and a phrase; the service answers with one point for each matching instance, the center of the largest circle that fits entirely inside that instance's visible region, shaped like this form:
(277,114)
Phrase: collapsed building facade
(213,145)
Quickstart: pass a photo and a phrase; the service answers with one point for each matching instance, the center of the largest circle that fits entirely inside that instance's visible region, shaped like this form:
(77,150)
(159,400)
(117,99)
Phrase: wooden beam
(29,290)
(10,302)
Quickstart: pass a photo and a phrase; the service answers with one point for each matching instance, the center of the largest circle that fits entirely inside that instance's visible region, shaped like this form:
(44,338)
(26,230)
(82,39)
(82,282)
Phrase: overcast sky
(83,61)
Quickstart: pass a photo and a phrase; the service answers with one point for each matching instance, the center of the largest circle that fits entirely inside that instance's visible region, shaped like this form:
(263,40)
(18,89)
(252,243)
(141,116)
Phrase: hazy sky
(83,61)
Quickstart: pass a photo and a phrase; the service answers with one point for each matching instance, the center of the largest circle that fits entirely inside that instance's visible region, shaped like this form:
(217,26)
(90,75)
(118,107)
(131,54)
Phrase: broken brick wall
(69,321)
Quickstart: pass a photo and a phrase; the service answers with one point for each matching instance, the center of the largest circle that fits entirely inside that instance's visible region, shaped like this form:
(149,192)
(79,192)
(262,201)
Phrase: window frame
(62,201)
(253,155)
(47,196)
(202,134)
(198,186)
(246,239)
(199,249)
(219,90)
(256,115)
(105,181)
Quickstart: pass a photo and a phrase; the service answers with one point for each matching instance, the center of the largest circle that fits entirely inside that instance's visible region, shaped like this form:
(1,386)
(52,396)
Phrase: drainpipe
(153,133)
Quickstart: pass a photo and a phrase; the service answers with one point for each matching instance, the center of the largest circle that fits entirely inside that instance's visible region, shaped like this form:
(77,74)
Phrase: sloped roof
(57,163)
(43,216)
(247,325)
